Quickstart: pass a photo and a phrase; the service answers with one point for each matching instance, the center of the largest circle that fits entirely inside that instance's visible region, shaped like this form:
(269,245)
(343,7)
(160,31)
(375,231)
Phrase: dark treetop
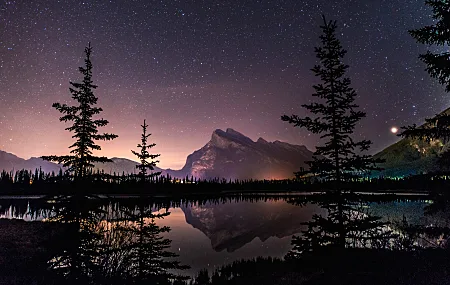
(144,155)
(437,65)
(336,114)
(84,127)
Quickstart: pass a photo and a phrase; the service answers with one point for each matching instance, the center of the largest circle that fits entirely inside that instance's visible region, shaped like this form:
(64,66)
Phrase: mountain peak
(230,154)
(261,140)
(233,132)
(230,135)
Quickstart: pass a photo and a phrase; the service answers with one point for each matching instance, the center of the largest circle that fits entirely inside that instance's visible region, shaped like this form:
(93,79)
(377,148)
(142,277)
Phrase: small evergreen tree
(336,115)
(84,127)
(437,65)
(144,156)
(202,278)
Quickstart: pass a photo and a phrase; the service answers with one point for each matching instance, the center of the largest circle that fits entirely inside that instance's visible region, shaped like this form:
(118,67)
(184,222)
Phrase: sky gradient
(190,67)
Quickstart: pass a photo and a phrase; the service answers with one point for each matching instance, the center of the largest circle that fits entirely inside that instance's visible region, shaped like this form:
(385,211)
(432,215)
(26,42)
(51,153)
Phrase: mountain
(230,226)
(120,165)
(231,155)
(10,162)
(412,156)
(409,156)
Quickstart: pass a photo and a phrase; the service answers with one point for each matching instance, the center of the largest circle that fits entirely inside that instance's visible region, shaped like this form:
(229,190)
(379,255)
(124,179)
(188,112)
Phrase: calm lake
(205,234)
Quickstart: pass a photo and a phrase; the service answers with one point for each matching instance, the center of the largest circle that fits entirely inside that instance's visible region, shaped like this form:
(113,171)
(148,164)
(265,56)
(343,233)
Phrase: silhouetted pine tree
(202,278)
(144,156)
(84,127)
(336,115)
(337,160)
(437,65)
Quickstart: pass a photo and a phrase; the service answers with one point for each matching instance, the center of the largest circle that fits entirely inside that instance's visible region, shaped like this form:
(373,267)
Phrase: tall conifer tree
(438,66)
(338,159)
(84,127)
(336,114)
(144,156)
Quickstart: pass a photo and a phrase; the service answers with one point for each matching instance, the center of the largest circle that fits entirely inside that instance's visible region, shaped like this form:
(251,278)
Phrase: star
(202,67)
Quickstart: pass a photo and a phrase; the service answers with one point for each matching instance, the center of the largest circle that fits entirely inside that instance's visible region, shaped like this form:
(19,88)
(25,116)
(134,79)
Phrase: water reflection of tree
(435,234)
(79,249)
(347,224)
(254,271)
(143,255)
(102,245)
(373,252)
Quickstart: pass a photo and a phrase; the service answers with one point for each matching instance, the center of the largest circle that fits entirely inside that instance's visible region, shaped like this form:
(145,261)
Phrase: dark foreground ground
(356,266)
(24,250)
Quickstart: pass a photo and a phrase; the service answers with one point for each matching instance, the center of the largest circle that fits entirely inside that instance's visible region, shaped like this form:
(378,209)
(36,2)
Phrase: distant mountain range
(229,154)
(10,162)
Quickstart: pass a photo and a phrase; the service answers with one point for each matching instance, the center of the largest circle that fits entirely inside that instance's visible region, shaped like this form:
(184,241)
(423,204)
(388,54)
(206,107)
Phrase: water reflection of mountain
(230,226)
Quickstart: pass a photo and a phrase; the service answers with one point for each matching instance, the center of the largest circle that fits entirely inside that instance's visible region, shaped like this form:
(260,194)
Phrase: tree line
(38,182)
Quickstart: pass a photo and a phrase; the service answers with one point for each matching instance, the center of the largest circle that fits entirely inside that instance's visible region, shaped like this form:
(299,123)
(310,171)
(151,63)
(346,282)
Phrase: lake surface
(209,234)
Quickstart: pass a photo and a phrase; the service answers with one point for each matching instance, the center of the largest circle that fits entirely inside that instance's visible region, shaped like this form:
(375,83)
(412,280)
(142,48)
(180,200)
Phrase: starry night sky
(190,67)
